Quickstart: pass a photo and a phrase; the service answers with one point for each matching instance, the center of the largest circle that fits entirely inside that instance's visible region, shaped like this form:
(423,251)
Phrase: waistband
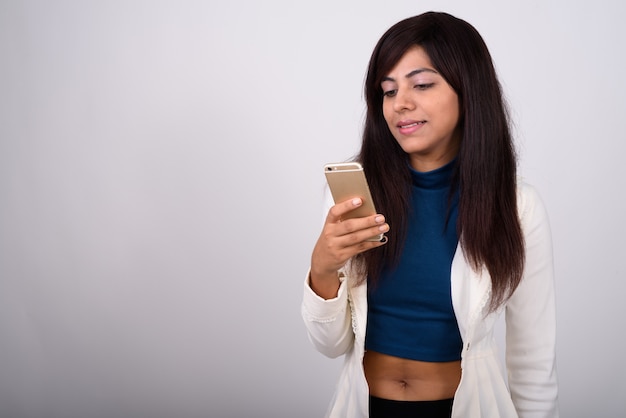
(384,408)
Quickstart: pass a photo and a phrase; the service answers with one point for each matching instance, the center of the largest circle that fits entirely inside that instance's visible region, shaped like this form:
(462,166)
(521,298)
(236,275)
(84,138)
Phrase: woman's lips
(410,126)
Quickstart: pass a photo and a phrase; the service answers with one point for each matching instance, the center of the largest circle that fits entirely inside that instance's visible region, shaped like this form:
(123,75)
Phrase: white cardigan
(337,327)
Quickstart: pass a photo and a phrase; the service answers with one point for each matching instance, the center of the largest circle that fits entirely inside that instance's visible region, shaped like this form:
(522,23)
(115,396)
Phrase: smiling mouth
(410,125)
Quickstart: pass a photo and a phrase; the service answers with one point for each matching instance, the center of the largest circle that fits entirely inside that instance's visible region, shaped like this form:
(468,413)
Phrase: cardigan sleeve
(531,319)
(328,322)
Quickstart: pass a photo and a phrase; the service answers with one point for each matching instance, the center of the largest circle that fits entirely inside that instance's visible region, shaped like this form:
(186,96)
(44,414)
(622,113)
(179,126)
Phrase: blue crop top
(410,312)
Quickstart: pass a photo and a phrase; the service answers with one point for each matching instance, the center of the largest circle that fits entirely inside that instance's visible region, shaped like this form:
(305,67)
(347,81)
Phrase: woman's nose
(404,101)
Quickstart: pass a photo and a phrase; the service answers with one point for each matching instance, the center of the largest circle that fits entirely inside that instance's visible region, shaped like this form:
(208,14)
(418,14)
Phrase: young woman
(466,241)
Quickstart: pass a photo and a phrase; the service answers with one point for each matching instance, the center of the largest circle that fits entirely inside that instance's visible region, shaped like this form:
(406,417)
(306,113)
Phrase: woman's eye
(389,93)
(424,86)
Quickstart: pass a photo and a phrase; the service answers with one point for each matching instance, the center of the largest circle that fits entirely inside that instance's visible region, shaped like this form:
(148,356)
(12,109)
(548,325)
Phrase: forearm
(325,285)
(328,321)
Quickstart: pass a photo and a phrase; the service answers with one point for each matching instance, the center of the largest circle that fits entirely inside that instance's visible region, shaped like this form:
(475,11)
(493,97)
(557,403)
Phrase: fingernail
(356,201)
(379,219)
(383,228)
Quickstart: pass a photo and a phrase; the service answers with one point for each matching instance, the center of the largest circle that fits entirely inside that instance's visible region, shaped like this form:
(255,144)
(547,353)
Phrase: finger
(331,251)
(337,211)
(366,245)
(365,234)
(370,225)
(332,256)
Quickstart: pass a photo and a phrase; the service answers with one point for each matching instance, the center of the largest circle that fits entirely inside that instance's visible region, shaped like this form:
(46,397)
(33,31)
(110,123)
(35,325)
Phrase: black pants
(385,408)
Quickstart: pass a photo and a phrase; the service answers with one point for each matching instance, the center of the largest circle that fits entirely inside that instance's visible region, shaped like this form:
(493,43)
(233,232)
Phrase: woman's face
(422,111)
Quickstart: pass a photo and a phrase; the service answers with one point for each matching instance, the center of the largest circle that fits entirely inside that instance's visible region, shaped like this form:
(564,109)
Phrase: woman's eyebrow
(412,73)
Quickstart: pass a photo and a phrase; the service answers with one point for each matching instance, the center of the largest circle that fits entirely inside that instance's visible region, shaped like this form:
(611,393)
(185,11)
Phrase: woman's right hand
(339,241)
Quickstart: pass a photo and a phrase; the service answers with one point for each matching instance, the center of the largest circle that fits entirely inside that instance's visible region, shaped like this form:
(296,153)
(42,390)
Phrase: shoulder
(532,211)
(529,200)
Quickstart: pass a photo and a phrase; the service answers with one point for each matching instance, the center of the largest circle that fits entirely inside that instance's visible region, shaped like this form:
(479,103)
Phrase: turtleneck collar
(438,178)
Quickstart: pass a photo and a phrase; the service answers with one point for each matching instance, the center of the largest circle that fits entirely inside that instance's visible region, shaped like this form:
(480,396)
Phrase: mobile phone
(347,181)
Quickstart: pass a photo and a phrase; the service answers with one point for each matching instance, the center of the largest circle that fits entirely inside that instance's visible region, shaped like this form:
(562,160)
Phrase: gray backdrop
(161,183)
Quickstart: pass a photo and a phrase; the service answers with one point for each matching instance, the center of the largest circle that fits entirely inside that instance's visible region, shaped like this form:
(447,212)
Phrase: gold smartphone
(347,181)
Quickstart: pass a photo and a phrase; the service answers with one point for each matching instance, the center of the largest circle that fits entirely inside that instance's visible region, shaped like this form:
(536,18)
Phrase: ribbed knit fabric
(410,312)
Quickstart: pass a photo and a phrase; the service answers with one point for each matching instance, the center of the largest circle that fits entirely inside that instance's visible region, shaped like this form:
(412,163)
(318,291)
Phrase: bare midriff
(402,379)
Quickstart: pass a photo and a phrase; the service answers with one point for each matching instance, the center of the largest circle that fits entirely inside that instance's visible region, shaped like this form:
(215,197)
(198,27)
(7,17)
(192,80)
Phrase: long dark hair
(485,170)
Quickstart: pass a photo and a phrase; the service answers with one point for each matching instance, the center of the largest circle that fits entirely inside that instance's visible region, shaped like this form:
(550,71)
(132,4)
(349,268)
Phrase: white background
(161,183)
